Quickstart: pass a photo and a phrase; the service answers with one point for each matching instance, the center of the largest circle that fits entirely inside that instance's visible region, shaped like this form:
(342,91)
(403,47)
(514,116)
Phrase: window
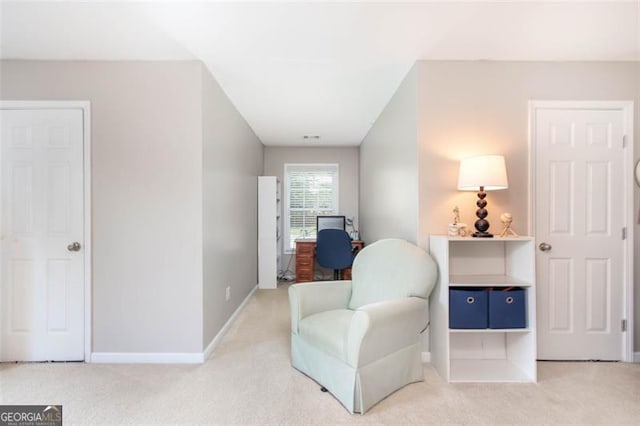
(310,190)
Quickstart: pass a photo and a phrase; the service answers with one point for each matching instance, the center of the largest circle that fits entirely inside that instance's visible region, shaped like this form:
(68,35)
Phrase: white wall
(233,159)
(389,168)
(347,160)
(147,194)
(470,108)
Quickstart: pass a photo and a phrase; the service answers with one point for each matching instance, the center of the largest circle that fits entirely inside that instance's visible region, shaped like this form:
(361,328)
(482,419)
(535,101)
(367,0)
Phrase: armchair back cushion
(391,269)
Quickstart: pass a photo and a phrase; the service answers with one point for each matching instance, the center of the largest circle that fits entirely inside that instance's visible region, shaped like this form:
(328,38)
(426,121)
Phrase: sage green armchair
(360,339)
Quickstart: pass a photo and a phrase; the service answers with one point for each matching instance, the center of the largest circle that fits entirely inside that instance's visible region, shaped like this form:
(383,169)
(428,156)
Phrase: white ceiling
(318,68)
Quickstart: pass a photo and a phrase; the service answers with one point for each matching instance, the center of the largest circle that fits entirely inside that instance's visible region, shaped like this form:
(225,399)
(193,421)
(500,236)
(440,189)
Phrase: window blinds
(312,190)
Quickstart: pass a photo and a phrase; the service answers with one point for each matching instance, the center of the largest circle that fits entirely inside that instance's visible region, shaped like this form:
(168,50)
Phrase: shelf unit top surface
(486,240)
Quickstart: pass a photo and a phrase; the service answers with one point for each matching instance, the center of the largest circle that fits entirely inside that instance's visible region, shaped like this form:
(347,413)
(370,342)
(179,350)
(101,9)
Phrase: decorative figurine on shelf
(452,229)
(457,229)
(506,219)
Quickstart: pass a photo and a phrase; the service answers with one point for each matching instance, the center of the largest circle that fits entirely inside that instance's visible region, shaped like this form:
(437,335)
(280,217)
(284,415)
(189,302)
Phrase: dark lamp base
(479,234)
(482,225)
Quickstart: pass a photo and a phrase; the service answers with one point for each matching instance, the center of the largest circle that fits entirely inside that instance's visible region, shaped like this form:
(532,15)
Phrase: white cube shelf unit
(483,355)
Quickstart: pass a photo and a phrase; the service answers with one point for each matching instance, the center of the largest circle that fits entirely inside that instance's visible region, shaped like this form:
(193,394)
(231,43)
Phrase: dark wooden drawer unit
(305,252)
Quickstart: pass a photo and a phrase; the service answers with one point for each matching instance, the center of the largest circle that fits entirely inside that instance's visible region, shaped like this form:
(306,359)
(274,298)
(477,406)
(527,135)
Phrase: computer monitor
(330,222)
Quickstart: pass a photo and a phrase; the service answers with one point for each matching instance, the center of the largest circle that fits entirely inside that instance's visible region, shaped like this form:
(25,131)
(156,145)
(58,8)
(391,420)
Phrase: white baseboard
(225,328)
(147,358)
(636,357)
(170,358)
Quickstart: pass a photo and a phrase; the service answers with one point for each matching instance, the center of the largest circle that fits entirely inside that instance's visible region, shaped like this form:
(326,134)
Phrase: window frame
(288,167)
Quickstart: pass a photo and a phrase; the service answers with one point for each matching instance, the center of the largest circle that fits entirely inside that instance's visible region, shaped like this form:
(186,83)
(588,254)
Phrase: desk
(306,256)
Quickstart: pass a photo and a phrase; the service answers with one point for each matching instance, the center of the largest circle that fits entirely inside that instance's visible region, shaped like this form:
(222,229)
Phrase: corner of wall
(233,157)
(389,168)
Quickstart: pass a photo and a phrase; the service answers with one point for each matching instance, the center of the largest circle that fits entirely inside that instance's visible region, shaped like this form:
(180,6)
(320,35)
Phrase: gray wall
(389,168)
(146,134)
(174,187)
(470,108)
(347,160)
(233,158)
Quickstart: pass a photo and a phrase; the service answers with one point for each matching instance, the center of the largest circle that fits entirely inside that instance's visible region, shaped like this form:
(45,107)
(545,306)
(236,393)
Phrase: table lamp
(486,173)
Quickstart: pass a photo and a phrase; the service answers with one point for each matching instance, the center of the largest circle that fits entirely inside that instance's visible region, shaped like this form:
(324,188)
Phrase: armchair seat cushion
(328,330)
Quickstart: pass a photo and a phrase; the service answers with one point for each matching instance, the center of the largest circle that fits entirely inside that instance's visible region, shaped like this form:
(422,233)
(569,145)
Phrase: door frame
(85,107)
(626,107)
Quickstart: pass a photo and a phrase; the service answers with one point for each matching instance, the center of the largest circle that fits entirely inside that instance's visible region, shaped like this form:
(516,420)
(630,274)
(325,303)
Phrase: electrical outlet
(227,293)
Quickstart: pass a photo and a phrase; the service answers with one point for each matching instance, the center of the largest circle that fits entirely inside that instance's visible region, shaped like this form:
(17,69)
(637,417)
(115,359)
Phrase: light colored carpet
(249,380)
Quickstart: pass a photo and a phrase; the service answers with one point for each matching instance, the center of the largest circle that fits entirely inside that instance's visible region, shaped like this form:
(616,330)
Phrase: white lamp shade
(488,171)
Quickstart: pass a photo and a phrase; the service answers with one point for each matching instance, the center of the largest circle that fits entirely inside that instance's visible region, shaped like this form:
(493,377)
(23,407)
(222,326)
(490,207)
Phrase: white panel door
(42,291)
(579,215)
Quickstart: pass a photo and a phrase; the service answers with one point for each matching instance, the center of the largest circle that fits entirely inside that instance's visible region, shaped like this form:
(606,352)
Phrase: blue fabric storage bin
(468,307)
(507,308)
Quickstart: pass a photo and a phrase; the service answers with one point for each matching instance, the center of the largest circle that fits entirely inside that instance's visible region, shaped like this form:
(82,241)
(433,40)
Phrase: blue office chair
(334,251)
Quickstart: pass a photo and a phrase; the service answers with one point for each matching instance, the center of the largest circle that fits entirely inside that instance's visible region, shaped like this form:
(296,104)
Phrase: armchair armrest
(381,328)
(310,298)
